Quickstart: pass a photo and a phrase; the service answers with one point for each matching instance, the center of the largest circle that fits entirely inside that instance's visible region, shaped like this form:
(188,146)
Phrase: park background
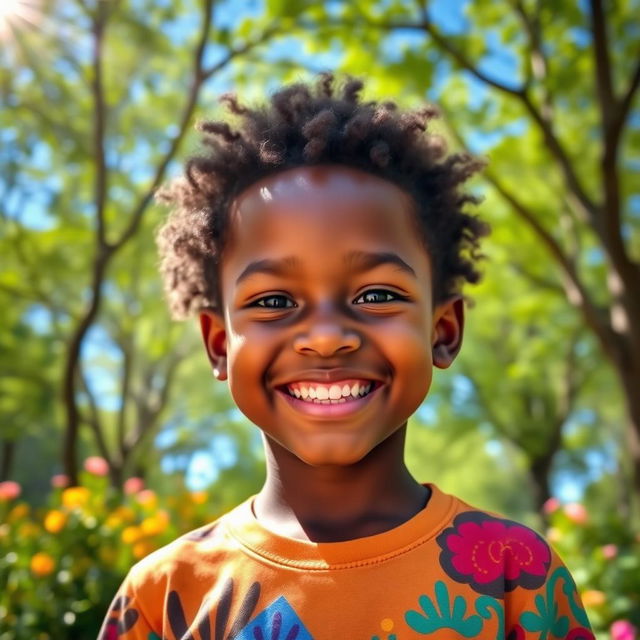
(114,437)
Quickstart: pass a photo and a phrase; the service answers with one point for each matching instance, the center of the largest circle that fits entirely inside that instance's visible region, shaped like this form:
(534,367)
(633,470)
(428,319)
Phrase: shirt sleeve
(553,610)
(125,619)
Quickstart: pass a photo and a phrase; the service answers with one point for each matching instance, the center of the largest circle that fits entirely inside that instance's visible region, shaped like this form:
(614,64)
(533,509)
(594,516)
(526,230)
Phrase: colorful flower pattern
(493,555)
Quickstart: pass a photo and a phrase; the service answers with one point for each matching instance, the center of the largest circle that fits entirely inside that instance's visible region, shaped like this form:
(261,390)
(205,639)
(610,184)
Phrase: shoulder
(180,555)
(493,554)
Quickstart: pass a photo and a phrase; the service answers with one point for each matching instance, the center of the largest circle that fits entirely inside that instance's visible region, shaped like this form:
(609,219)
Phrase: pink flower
(609,551)
(493,555)
(576,512)
(60,481)
(133,485)
(9,490)
(551,506)
(623,630)
(96,465)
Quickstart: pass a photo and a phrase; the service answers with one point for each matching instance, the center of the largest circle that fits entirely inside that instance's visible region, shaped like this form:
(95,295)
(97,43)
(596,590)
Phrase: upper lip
(327,376)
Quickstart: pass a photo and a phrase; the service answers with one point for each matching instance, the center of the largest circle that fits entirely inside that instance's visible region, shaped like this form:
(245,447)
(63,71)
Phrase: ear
(215,342)
(448,326)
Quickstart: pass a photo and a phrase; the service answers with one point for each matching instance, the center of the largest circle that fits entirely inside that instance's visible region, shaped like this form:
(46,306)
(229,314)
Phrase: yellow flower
(199,497)
(108,555)
(142,549)
(74,497)
(131,535)
(42,564)
(147,498)
(54,521)
(18,512)
(125,513)
(155,524)
(28,530)
(593,598)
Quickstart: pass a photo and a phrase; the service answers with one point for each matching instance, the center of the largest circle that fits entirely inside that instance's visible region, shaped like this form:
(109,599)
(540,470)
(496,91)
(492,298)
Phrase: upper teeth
(323,392)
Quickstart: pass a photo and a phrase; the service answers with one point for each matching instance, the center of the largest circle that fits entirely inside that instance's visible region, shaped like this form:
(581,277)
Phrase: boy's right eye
(274,302)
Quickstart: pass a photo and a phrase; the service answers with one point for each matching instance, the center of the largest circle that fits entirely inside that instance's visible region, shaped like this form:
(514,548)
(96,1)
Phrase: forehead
(322,210)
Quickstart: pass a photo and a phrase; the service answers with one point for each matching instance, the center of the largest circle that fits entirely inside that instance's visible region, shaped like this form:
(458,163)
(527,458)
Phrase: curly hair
(305,125)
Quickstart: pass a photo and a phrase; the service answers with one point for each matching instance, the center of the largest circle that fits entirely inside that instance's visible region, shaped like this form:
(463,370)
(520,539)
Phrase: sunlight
(14,13)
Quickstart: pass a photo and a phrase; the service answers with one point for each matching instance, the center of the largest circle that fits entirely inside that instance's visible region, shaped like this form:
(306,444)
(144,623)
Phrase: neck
(336,503)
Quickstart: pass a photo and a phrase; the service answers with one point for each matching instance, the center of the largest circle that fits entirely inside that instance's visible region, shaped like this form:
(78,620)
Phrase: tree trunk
(7,459)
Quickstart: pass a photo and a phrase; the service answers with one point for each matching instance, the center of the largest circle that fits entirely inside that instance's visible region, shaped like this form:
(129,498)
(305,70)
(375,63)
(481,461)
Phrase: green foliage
(61,564)
(603,552)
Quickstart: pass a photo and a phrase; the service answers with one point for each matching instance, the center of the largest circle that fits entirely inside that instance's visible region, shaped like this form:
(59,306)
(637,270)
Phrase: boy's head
(324,244)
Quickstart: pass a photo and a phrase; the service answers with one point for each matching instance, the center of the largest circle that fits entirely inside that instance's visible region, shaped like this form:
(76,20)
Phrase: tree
(547,91)
(124,88)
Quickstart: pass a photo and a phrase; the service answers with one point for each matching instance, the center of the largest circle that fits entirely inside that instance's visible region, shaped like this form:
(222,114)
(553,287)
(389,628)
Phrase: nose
(326,336)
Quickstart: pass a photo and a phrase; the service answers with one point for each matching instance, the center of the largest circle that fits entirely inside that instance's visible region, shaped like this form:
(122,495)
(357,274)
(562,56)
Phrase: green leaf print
(484,604)
(546,621)
(443,616)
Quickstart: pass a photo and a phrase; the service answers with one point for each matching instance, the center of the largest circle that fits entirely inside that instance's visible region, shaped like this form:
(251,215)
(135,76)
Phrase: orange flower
(199,497)
(131,535)
(147,498)
(593,598)
(142,549)
(74,497)
(18,512)
(54,521)
(42,564)
(155,524)
(576,512)
(28,530)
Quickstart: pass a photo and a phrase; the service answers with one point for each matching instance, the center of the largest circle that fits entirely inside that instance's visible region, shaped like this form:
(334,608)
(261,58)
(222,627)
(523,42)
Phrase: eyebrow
(367,260)
(276,267)
(357,260)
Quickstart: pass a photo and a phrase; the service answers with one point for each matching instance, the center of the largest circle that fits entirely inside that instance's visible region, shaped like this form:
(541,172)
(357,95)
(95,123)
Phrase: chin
(331,457)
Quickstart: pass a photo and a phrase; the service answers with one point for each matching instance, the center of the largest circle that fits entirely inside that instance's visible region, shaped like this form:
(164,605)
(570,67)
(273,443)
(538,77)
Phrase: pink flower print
(493,555)
(580,634)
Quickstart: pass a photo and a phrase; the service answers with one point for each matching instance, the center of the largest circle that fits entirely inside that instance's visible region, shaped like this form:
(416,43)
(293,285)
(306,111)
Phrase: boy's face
(327,292)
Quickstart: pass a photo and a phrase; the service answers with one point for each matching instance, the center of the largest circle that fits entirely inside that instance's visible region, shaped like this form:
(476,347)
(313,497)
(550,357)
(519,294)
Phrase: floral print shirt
(449,572)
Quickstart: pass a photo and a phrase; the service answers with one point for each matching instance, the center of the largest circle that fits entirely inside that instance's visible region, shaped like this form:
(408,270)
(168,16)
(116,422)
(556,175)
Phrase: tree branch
(538,64)
(625,101)
(604,84)
(99,111)
(521,93)
(93,419)
(575,289)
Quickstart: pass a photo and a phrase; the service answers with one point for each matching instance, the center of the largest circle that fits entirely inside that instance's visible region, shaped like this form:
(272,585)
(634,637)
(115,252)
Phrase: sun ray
(14,14)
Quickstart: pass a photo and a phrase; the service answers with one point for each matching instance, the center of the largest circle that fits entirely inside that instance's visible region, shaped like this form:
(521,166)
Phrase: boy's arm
(554,610)
(125,618)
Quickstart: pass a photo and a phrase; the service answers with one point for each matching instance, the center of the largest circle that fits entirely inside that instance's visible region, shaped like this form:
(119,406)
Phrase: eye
(376,296)
(274,302)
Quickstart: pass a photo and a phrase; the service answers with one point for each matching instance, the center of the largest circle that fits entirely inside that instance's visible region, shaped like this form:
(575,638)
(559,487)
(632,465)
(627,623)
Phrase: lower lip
(337,410)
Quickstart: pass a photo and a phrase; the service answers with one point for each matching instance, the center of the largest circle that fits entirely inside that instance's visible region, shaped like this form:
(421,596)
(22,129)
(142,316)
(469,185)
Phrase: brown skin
(330,477)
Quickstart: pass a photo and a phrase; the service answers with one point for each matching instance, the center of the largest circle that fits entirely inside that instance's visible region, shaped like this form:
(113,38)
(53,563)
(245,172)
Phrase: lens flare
(15,14)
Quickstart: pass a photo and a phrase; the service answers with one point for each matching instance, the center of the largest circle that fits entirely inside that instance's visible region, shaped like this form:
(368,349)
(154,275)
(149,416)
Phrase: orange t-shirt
(449,572)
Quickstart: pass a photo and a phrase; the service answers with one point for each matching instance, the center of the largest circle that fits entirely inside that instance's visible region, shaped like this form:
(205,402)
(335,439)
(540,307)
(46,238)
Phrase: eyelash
(386,292)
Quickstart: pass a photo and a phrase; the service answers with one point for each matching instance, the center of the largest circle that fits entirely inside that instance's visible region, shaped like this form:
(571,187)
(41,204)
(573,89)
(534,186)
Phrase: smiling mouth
(340,392)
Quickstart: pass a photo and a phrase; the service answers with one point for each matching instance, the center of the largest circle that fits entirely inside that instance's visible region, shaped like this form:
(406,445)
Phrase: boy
(324,245)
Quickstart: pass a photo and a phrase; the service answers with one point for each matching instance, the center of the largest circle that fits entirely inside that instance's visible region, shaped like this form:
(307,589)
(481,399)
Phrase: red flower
(580,634)
(516,633)
(493,555)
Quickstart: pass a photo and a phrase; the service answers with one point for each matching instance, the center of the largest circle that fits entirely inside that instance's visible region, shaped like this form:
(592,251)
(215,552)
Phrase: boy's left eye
(275,302)
(374,296)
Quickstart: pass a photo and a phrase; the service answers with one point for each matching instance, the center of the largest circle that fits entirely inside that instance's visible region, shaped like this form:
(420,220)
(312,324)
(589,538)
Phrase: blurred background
(114,436)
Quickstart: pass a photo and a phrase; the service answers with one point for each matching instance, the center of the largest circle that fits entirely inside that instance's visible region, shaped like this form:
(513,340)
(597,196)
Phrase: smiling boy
(324,244)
